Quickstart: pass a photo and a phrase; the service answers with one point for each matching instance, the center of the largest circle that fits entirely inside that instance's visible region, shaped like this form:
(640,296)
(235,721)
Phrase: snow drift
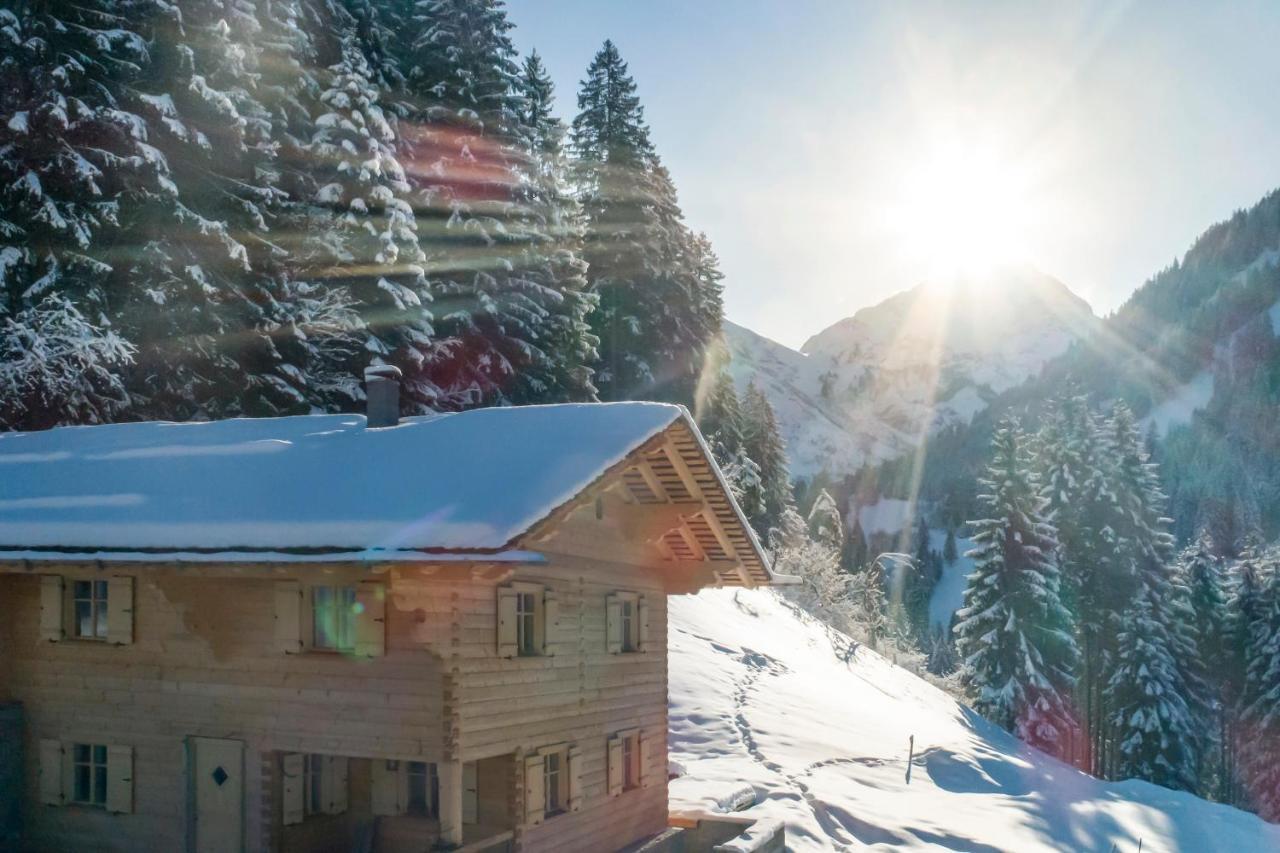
(772,708)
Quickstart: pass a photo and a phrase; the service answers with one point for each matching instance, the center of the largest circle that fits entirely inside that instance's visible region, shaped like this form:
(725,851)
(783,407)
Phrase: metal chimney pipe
(382,395)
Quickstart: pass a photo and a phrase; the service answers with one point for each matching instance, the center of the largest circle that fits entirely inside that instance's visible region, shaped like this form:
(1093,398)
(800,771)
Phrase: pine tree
(1148,685)
(72,156)
(824,521)
(1014,635)
(856,553)
(1199,572)
(720,416)
(510,288)
(362,235)
(763,443)
(1260,701)
(204,301)
(658,285)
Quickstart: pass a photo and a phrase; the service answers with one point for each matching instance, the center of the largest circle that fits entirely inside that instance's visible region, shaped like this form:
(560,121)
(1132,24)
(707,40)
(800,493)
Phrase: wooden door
(217,782)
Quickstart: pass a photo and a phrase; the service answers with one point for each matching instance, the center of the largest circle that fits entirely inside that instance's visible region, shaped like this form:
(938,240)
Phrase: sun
(962,209)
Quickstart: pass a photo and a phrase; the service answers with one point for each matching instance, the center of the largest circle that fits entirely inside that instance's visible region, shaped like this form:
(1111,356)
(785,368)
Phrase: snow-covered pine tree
(1245,608)
(1014,635)
(509,287)
(856,552)
(658,289)
(1074,458)
(824,521)
(205,278)
(1147,701)
(1148,687)
(1260,705)
(718,410)
(570,346)
(361,236)
(763,442)
(72,156)
(1199,572)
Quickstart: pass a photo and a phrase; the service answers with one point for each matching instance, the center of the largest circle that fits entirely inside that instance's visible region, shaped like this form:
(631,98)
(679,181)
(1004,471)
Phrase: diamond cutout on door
(220,776)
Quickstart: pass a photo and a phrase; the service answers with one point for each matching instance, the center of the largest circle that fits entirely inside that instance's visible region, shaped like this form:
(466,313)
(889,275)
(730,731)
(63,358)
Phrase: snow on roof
(471,481)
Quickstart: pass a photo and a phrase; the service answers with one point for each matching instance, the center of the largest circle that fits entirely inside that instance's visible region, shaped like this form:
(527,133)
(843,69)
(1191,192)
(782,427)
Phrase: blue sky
(793,129)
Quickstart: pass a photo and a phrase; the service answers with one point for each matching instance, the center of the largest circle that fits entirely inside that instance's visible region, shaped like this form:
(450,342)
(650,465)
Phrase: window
(626,762)
(626,615)
(527,623)
(313,784)
(630,762)
(554,782)
(89,608)
(424,789)
(89,774)
(628,625)
(333,616)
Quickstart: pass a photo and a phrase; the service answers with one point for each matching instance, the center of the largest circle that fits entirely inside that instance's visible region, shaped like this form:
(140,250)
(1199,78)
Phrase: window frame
(428,772)
(341,618)
(527,644)
(630,760)
(98,609)
(97,778)
(559,794)
(313,771)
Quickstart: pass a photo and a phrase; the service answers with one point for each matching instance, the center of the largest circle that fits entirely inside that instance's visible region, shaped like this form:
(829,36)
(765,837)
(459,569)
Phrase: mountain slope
(870,387)
(771,707)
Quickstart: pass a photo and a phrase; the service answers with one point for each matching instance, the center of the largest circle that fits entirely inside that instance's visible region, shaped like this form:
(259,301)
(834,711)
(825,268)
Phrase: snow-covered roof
(468,482)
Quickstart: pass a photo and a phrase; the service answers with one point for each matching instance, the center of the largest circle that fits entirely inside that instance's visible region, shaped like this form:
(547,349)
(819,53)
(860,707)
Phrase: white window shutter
(51,608)
(371,619)
(288,616)
(292,788)
(120,611)
(384,788)
(506,622)
(51,772)
(647,776)
(642,611)
(550,620)
(575,778)
(615,766)
(613,623)
(534,790)
(119,778)
(336,781)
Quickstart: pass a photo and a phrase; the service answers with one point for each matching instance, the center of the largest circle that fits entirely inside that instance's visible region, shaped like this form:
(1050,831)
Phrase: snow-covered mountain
(775,712)
(867,388)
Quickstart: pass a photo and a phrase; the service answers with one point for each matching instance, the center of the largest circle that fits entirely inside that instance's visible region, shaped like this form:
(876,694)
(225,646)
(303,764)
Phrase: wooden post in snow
(911,755)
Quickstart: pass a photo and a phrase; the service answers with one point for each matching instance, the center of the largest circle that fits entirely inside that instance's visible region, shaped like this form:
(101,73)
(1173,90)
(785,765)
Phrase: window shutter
(51,607)
(119,778)
(647,776)
(615,766)
(336,784)
(293,773)
(534,795)
(120,611)
(575,778)
(371,619)
(68,773)
(642,611)
(51,772)
(288,617)
(506,622)
(613,624)
(550,620)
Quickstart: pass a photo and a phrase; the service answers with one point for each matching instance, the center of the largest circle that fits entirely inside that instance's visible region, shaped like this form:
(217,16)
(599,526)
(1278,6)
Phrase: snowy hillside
(867,388)
(772,708)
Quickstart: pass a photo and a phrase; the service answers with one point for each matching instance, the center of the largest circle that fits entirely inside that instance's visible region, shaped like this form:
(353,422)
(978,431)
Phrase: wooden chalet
(313,634)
